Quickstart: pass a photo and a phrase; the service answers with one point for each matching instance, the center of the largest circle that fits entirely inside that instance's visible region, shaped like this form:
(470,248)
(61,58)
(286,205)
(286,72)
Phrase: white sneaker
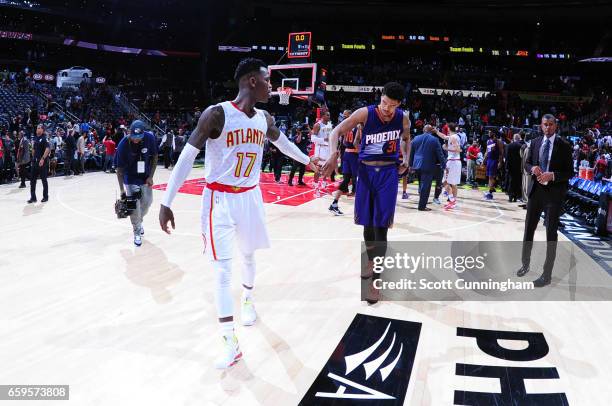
(230,354)
(248,314)
(137,240)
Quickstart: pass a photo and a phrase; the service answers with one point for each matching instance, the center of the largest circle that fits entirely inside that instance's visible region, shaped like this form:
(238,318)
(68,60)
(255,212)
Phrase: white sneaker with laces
(247,313)
(137,240)
(230,353)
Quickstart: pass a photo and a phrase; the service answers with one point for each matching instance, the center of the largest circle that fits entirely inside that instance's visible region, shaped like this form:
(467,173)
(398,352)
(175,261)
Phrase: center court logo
(371,364)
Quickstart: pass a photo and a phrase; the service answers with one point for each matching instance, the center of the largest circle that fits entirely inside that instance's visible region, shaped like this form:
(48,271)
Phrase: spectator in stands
(109,154)
(23,158)
(601,166)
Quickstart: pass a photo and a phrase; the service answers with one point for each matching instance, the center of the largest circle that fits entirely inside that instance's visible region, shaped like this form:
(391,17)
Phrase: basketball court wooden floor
(81,306)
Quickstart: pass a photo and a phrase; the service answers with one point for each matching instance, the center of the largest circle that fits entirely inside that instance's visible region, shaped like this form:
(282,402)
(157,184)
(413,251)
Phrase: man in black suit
(514,168)
(425,153)
(550,164)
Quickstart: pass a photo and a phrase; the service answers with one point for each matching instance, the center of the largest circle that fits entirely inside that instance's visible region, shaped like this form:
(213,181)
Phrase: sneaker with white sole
(248,315)
(335,210)
(230,353)
(436,200)
(450,205)
(137,240)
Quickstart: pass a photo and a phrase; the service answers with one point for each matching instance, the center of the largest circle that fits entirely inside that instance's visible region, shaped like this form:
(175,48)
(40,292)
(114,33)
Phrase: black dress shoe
(425,209)
(523,271)
(301,184)
(45,199)
(32,201)
(22,186)
(541,281)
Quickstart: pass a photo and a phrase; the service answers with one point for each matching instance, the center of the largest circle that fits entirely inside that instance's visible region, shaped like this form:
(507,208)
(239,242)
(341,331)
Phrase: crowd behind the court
(85,137)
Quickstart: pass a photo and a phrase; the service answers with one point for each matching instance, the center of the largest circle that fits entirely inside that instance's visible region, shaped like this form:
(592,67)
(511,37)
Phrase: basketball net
(284,93)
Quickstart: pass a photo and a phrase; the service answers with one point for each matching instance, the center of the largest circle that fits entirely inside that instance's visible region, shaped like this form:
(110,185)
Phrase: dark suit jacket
(561,164)
(425,153)
(513,157)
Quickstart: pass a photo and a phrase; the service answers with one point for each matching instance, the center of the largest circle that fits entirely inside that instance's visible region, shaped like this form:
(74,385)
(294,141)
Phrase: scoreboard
(299,45)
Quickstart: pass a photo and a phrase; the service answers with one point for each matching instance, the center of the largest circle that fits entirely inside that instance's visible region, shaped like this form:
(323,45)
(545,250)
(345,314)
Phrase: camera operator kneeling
(136,160)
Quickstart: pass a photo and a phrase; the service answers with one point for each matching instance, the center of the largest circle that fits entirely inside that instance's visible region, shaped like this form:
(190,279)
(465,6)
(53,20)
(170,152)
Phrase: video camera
(127,204)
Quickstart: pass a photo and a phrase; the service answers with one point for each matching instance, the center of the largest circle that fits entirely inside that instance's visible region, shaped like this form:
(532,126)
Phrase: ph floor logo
(372,363)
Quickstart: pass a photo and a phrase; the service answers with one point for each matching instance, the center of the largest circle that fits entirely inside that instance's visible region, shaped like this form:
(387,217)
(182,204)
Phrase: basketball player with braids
(350,164)
(385,125)
(232,205)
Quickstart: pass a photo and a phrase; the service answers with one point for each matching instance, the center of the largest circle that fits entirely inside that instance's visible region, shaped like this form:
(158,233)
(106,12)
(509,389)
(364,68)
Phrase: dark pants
(36,172)
(542,200)
(276,163)
(167,157)
(425,179)
(515,183)
(9,168)
(68,158)
(301,168)
(175,157)
(23,173)
(437,176)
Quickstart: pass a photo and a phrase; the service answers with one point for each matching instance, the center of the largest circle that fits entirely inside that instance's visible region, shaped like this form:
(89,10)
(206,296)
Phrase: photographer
(136,160)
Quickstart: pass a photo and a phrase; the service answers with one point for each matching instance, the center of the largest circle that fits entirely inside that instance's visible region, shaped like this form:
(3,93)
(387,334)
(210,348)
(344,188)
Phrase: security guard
(136,160)
(40,164)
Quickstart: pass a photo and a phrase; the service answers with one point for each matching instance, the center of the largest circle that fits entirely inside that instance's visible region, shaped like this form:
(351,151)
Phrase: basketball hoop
(284,93)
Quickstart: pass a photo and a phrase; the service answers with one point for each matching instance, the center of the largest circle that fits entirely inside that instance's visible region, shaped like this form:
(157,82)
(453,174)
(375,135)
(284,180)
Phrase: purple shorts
(350,163)
(376,195)
(492,168)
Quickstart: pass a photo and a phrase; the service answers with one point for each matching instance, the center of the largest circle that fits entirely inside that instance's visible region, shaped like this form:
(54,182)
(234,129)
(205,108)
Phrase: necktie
(545,153)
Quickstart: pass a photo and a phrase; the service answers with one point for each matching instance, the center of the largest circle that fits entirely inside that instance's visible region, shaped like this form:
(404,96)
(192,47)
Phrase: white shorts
(322,152)
(229,217)
(452,175)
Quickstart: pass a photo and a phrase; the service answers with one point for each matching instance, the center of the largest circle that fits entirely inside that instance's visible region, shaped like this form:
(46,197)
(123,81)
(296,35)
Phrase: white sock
(227,328)
(248,274)
(246,293)
(223,291)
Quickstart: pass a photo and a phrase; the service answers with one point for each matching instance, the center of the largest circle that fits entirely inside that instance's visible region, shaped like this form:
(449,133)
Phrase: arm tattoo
(210,125)
(273,131)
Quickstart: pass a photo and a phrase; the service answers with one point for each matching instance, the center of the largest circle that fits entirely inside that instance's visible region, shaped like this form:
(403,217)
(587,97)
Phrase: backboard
(300,77)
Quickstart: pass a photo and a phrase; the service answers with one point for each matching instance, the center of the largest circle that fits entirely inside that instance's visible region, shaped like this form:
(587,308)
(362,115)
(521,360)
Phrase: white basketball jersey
(234,158)
(324,131)
(453,142)
(322,146)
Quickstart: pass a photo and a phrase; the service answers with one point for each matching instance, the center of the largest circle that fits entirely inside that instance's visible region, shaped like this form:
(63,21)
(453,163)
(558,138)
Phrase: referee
(40,164)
